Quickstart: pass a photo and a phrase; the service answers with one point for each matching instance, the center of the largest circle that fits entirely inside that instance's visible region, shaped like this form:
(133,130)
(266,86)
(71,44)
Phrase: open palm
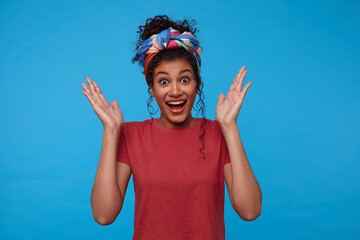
(110,116)
(227,109)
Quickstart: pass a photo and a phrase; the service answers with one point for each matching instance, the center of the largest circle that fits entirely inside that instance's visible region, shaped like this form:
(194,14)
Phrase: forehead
(173,67)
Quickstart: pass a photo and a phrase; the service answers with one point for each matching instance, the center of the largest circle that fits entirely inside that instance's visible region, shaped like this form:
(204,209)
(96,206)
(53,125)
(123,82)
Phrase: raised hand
(228,110)
(110,116)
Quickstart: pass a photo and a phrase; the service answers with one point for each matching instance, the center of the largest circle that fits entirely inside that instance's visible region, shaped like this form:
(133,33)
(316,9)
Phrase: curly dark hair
(154,26)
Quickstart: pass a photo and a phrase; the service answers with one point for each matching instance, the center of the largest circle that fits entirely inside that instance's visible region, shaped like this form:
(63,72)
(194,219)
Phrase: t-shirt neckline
(177,129)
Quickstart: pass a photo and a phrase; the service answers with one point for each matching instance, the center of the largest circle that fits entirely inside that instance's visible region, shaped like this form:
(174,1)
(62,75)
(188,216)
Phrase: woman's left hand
(227,111)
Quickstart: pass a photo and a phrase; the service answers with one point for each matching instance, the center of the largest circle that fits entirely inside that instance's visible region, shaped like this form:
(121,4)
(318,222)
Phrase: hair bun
(159,23)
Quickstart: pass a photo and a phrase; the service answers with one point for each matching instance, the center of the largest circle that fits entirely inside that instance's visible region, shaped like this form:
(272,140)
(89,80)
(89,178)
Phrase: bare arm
(111,178)
(106,198)
(244,190)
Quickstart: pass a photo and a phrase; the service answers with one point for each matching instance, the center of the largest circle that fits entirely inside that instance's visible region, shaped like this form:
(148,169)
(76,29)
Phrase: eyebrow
(182,71)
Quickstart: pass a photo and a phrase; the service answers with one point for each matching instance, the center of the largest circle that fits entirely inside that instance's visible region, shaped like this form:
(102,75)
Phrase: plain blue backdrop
(299,122)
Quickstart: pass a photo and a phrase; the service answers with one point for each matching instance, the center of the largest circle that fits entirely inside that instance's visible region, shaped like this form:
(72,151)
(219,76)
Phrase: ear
(151,91)
(197,89)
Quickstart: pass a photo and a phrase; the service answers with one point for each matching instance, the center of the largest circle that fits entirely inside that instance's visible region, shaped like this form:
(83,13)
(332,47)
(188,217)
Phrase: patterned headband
(167,39)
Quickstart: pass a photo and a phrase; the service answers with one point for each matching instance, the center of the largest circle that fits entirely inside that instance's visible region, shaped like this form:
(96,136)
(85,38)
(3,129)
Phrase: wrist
(228,125)
(112,131)
(229,128)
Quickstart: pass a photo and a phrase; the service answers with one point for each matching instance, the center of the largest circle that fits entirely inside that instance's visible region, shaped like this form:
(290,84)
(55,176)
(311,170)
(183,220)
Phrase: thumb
(116,105)
(221,98)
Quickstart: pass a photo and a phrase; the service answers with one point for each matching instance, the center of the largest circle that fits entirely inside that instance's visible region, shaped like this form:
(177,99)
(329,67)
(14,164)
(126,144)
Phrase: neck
(166,123)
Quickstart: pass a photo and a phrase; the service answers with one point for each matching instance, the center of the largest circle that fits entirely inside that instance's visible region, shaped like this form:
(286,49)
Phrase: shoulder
(212,129)
(136,125)
(212,124)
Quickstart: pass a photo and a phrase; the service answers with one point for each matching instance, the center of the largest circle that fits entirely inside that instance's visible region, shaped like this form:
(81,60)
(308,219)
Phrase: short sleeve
(122,154)
(224,150)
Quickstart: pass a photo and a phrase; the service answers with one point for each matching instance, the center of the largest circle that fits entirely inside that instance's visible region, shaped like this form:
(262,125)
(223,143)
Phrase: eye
(163,81)
(186,79)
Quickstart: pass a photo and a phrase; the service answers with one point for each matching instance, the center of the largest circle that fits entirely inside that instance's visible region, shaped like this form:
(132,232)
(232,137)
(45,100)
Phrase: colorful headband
(167,39)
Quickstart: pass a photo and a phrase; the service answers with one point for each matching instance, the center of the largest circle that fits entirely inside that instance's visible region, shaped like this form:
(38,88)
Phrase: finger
(85,88)
(93,99)
(244,91)
(90,98)
(92,88)
(98,110)
(238,82)
(233,85)
(96,94)
(221,98)
(90,85)
(116,105)
(102,97)
(97,89)
(241,81)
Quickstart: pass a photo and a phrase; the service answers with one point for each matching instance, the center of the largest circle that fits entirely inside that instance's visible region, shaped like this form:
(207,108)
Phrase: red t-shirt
(178,194)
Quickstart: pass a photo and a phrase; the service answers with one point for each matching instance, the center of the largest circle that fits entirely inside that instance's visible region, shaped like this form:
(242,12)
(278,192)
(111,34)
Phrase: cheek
(157,92)
(192,96)
(159,96)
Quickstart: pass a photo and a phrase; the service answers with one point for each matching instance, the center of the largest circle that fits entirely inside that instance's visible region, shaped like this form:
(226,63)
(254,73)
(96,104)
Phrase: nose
(175,90)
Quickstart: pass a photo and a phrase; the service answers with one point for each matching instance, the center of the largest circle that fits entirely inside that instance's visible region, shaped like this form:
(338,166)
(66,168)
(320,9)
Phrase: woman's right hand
(110,116)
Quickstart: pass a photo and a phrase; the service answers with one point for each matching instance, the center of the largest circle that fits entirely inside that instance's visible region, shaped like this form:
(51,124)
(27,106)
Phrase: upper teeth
(176,103)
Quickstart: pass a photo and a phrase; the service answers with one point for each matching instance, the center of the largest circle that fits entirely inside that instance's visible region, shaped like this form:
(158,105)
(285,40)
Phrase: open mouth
(176,106)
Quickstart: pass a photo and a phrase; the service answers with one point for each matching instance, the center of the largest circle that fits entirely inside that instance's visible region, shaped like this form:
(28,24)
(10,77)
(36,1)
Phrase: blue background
(299,122)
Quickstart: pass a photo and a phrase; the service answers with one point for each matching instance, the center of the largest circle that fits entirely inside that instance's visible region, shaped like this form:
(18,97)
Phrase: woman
(179,163)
